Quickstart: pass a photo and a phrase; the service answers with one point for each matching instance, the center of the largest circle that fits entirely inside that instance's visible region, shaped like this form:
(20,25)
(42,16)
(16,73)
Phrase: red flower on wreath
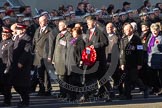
(89,56)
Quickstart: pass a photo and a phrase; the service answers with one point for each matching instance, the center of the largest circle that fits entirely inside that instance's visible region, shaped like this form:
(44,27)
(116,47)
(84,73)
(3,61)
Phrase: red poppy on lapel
(157,42)
(144,38)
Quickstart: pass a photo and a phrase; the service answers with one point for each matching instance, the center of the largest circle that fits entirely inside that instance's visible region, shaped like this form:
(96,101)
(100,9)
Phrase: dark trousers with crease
(5,88)
(132,78)
(24,93)
(44,78)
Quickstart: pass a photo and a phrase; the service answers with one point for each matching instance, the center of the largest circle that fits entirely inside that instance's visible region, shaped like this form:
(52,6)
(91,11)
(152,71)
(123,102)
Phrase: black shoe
(62,96)
(154,91)
(5,104)
(41,94)
(71,99)
(44,94)
(108,100)
(98,94)
(47,93)
(83,99)
(126,97)
(112,95)
(146,93)
(22,105)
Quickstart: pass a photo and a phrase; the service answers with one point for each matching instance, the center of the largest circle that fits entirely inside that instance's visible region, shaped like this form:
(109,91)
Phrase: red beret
(21,26)
(6,30)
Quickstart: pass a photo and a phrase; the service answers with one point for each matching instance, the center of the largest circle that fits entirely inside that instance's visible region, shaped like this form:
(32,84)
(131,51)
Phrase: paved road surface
(53,102)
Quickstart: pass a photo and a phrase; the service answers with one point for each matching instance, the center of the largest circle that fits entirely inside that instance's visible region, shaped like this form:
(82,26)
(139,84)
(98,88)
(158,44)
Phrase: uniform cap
(122,13)
(6,17)
(6,30)
(2,11)
(36,16)
(20,15)
(155,9)
(21,26)
(27,19)
(114,15)
(143,14)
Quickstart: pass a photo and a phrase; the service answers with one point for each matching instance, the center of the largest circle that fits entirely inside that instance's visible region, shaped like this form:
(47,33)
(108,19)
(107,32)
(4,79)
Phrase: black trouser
(132,79)
(34,80)
(44,79)
(89,80)
(24,93)
(155,79)
(63,91)
(74,80)
(107,86)
(119,78)
(144,73)
(5,88)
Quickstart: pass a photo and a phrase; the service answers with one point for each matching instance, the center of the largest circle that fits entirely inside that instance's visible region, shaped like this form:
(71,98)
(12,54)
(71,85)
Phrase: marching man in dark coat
(22,64)
(6,51)
(131,60)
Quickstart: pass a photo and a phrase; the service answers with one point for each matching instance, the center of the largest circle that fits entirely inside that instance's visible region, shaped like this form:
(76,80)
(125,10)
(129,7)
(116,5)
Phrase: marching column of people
(15,64)
(140,58)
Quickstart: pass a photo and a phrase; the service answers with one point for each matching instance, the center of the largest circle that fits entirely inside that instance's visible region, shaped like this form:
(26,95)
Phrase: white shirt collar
(130,37)
(92,30)
(63,32)
(43,28)
(110,35)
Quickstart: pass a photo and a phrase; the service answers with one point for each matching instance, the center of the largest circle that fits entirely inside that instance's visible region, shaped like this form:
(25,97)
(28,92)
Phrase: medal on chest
(62,42)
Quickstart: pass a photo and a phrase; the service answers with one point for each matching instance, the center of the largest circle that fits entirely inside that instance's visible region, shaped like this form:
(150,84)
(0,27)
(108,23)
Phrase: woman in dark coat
(74,52)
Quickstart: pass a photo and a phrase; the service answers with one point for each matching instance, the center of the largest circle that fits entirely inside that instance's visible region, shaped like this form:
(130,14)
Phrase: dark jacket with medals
(131,52)
(60,52)
(6,59)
